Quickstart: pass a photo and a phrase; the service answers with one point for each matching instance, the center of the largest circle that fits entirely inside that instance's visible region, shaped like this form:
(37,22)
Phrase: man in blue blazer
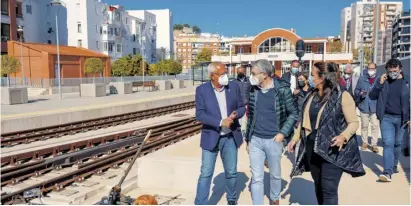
(219,105)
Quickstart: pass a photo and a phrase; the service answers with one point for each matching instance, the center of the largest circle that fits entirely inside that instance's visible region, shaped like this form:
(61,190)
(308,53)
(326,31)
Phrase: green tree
(174,67)
(9,65)
(93,66)
(196,29)
(168,66)
(336,46)
(178,27)
(204,56)
(186,25)
(122,66)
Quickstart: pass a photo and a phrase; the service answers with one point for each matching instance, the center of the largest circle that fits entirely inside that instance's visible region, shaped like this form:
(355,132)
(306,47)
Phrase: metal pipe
(22,58)
(58,55)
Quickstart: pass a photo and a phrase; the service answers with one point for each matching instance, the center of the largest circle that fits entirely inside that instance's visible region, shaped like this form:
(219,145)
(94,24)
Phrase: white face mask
(254,81)
(223,80)
(371,73)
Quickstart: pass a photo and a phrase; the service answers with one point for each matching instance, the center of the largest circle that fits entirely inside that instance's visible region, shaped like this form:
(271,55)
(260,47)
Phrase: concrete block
(121,88)
(177,84)
(163,84)
(93,90)
(11,95)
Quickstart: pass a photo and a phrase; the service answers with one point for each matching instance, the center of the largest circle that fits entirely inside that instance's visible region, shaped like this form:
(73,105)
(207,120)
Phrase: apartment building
(401,35)
(345,28)
(189,45)
(164,43)
(362,27)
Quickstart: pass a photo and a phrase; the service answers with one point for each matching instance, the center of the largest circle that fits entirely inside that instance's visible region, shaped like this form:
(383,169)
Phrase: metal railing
(71,82)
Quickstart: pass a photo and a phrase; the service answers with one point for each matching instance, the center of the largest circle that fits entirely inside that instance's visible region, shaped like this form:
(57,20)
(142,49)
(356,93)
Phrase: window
(5,32)
(188,49)
(179,50)
(179,44)
(78,27)
(105,45)
(28,9)
(126,20)
(133,38)
(4,7)
(115,31)
(320,48)
(215,44)
(79,43)
(78,6)
(48,41)
(308,48)
(101,30)
(276,44)
(134,51)
(117,16)
(118,47)
(111,31)
(97,45)
(184,50)
(110,46)
(19,10)
(184,44)
(189,61)
(207,44)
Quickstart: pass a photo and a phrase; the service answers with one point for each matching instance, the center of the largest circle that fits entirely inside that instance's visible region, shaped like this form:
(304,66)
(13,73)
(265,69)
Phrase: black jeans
(326,176)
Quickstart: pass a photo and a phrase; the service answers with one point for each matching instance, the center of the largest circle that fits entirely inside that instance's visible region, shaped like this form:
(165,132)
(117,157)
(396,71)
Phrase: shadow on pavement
(219,187)
(301,191)
(267,185)
(37,100)
(372,161)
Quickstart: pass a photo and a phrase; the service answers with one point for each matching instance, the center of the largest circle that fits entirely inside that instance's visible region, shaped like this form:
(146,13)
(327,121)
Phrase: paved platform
(174,171)
(54,111)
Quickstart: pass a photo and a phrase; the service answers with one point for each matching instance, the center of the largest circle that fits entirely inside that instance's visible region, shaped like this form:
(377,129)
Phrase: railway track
(27,136)
(93,158)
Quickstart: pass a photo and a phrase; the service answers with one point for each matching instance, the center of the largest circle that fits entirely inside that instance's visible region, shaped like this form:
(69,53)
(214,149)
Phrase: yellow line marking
(73,109)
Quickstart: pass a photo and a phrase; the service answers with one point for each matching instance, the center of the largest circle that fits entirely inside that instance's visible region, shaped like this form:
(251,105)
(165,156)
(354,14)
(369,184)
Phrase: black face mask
(301,83)
(240,75)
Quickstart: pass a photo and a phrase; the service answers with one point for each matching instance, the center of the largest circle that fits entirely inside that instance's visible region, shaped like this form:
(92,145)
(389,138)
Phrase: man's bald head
(240,70)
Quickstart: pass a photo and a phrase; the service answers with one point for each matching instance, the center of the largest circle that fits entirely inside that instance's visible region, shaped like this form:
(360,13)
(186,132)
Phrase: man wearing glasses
(219,105)
(367,107)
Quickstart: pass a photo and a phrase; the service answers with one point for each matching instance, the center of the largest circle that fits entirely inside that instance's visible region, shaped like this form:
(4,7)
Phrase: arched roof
(274,32)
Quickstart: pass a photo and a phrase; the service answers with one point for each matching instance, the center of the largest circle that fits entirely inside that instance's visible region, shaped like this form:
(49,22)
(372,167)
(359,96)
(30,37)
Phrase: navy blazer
(208,113)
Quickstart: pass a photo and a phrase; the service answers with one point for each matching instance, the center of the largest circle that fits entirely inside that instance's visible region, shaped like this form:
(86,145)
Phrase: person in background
(272,115)
(291,76)
(303,89)
(367,107)
(219,105)
(327,133)
(392,93)
(350,80)
(245,86)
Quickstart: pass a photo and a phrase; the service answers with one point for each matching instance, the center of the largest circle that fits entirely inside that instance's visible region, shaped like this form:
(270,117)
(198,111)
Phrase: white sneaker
(384,177)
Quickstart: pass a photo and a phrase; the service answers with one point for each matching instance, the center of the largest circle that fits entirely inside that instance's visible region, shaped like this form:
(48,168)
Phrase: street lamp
(20,32)
(58,3)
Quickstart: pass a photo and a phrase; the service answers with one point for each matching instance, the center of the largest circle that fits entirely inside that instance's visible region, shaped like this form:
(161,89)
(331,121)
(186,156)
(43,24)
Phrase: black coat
(332,123)
(245,87)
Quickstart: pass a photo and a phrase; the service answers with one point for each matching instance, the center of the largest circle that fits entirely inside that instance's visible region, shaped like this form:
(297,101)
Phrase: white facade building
(148,34)
(363,26)
(345,28)
(164,21)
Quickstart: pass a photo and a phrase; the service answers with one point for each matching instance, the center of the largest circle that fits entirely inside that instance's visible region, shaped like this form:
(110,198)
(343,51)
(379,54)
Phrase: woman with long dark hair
(326,133)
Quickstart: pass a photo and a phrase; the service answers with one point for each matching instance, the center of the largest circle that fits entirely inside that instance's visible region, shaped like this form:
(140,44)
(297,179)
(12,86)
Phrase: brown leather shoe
(375,149)
(277,202)
(364,146)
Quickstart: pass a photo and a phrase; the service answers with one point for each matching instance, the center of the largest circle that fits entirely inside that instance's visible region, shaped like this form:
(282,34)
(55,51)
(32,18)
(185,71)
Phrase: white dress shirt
(293,82)
(222,104)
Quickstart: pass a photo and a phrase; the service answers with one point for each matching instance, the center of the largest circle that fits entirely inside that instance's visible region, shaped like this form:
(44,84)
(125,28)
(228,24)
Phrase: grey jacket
(245,87)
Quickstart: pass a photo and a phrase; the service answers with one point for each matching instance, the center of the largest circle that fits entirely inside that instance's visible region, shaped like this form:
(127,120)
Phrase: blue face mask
(311,82)
(294,70)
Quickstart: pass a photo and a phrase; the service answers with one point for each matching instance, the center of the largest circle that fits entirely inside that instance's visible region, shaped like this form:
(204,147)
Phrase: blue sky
(311,18)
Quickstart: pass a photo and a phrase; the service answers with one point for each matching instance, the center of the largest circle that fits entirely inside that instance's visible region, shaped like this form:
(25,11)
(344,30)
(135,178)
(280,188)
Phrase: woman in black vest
(327,132)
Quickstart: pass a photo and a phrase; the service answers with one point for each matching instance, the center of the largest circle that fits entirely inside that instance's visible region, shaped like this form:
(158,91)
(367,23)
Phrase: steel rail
(86,143)
(77,157)
(100,165)
(26,136)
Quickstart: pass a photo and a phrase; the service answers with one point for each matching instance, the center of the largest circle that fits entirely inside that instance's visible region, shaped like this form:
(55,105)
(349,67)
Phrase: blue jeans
(261,149)
(228,150)
(392,136)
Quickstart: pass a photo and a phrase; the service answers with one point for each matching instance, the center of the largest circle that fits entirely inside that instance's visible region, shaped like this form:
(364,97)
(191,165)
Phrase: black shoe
(385,177)
(406,152)
(231,203)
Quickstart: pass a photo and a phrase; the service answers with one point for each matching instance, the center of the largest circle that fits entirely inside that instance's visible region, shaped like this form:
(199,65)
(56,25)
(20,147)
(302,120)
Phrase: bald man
(219,105)
(350,80)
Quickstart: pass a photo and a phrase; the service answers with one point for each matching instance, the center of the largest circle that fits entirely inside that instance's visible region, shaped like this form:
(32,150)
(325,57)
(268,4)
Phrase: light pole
(377,24)
(58,3)
(20,31)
